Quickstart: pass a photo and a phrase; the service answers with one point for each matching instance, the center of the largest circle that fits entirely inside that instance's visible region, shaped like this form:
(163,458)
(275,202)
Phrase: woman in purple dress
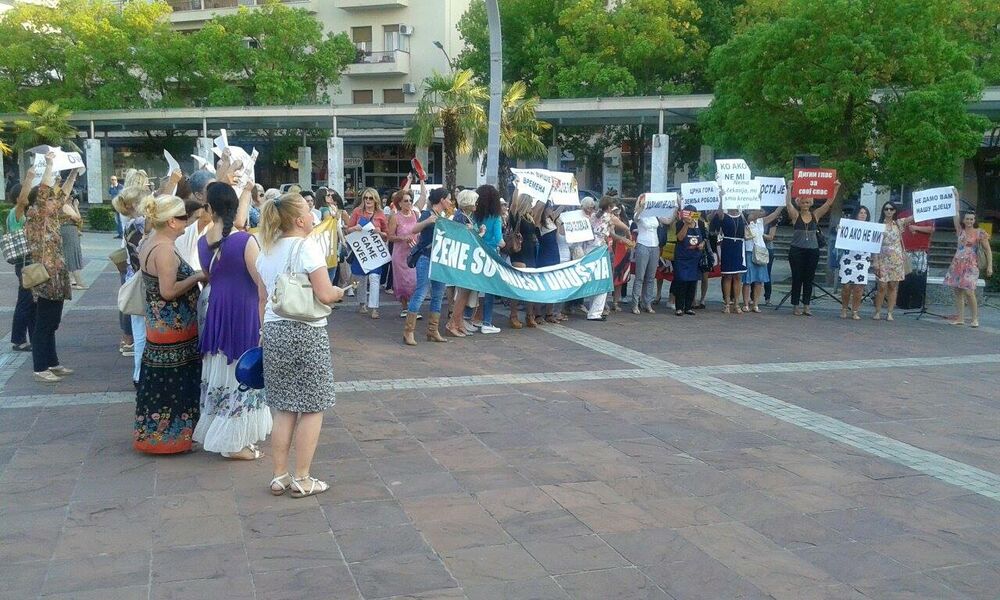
(233,419)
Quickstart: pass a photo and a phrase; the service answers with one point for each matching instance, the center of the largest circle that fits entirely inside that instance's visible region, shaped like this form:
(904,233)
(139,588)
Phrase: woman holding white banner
(889,264)
(602,222)
(647,256)
(803,252)
(439,201)
(733,233)
(523,220)
(854,268)
(369,212)
(963,274)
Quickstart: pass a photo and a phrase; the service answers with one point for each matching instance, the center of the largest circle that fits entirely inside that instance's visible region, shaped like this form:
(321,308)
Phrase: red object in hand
(419,168)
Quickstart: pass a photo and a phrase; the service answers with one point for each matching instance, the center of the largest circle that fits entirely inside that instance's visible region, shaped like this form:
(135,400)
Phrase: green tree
(270,55)
(520,131)
(47,123)
(4,148)
(453,103)
(877,88)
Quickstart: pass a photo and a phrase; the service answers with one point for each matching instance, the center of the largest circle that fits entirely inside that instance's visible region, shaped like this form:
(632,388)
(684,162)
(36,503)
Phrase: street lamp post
(440,46)
(496,93)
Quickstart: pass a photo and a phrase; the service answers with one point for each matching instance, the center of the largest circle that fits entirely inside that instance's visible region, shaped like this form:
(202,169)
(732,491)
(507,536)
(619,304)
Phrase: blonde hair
(136,177)
(521,205)
(160,209)
(467,200)
(278,217)
(378,199)
(128,201)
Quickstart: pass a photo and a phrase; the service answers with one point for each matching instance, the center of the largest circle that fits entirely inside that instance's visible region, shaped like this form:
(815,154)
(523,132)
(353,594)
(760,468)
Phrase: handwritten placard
(703,195)
(933,204)
(814,183)
(772,191)
(740,191)
(369,249)
(563,186)
(660,204)
(860,236)
(529,183)
(576,226)
(63,161)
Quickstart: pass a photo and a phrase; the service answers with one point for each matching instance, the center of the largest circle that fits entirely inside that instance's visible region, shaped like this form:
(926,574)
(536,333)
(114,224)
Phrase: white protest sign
(703,195)
(933,204)
(772,190)
(369,249)
(203,164)
(860,236)
(564,190)
(416,191)
(63,161)
(576,226)
(533,185)
(740,190)
(172,165)
(660,204)
(220,143)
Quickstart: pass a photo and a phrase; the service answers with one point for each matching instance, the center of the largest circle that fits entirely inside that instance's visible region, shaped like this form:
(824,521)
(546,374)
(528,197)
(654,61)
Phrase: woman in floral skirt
(963,273)
(888,264)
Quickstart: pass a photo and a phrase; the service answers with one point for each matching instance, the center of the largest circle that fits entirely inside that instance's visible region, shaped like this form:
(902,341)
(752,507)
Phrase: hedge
(993,283)
(4,211)
(101,218)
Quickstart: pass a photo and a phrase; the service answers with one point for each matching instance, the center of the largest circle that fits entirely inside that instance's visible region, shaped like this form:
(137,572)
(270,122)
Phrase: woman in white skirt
(298,373)
(854,268)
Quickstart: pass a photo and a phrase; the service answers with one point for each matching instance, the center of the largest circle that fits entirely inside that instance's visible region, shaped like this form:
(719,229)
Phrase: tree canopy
(878,88)
(92,54)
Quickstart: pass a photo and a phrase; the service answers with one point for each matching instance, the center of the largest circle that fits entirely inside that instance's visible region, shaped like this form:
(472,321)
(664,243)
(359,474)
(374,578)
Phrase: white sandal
(280,482)
(254,450)
(315,487)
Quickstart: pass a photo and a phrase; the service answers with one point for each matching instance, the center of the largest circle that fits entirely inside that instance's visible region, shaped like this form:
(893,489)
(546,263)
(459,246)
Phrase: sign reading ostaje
(814,183)
(772,191)
(702,195)
(740,190)
(577,227)
(660,204)
(459,258)
(563,188)
(369,249)
(933,204)
(860,236)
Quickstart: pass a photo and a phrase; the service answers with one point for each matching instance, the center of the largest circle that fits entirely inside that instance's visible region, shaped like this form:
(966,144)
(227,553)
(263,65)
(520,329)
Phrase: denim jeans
(423,283)
(24,312)
(43,340)
(488,300)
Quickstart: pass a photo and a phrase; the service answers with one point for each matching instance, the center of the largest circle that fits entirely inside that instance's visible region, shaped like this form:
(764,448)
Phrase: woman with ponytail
(169,391)
(233,419)
(298,373)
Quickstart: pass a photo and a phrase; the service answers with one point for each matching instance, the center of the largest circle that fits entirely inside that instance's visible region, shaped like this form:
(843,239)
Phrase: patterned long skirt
(232,417)
(167,403)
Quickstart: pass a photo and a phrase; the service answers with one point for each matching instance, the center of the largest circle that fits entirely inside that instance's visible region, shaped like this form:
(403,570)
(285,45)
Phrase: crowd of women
(210,255)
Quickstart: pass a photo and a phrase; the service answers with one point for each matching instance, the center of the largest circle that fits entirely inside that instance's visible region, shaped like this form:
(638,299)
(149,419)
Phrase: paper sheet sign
(660,204)
(740,191)
(772,191)
(702,195)
(576,226)
(415,190)
(564,190)
(539,188)
(203,164)
(860,236)
(369,249)
(63,161)
(937,203)
(814,183)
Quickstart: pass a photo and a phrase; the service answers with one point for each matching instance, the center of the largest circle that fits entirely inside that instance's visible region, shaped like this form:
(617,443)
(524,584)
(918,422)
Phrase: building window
(392,96)
(362,37)
(393,41)
(362,97)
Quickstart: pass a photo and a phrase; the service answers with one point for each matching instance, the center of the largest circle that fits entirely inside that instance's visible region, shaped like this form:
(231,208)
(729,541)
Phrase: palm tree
(520,131)
(452,102)
(47,123)
(4,148)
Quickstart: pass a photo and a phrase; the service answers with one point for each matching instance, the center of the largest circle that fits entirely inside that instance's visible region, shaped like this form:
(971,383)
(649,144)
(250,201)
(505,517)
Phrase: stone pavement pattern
(716,457)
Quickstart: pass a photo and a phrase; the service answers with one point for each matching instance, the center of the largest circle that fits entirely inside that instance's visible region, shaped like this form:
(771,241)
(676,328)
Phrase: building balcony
(193,13)
(370,4)
(393,62)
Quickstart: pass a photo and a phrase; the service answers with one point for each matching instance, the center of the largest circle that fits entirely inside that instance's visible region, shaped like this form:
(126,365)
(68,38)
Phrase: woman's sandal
(280,484)
(807,312)
(725,309)
(877,316)
(856,315)
(315,487)
(843,313)
(974,324)
(888,317)
(251,452)
(756,308)
(453,331)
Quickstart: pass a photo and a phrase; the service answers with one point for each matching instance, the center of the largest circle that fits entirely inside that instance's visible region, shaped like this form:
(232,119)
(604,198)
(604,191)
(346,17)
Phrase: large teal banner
(458,257)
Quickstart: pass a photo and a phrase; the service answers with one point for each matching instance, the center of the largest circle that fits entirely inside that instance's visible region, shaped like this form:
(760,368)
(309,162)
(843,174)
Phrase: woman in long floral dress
(963,274)
(167,402)
(889,269)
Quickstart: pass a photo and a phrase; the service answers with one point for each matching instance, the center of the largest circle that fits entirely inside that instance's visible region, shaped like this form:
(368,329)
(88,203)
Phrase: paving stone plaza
(647,457)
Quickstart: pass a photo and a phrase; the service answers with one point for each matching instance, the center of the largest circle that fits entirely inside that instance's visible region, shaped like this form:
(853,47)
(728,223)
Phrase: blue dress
(733,257)
(687,255)
(548,250)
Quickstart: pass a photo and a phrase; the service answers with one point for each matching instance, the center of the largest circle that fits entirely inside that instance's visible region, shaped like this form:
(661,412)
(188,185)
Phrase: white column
(554,158)
(3,181)
(479,161)
(423,155)
(706,155)
(305,167)
(660,163)
(95,177)
(335,163)
(203,148)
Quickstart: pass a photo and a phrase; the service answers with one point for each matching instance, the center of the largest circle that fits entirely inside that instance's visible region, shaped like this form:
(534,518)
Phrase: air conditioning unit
(406,30)
(409,88)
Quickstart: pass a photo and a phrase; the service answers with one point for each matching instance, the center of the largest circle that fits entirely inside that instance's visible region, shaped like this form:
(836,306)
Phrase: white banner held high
(860,236)
(937,203)
(772,191)
(369,249)
(531,184)
(703,196)
(660,204)
(564,190)
(415,190)
(63,161)
(576,225)
(740,190)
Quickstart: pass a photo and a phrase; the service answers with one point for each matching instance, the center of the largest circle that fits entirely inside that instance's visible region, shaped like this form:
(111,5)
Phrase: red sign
(419,169)
(814,183)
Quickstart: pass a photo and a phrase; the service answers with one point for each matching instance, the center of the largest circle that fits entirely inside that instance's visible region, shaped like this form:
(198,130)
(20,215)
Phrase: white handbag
(132,296)
(293,296)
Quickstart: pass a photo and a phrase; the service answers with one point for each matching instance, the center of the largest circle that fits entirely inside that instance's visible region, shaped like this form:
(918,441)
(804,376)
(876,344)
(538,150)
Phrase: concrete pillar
(335,164)
(660,163)
(203,148)
(479,161)
(3,182)
(554,158)
(611,171)
(95,177)
(306,167)
(423,154)
(707,155)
